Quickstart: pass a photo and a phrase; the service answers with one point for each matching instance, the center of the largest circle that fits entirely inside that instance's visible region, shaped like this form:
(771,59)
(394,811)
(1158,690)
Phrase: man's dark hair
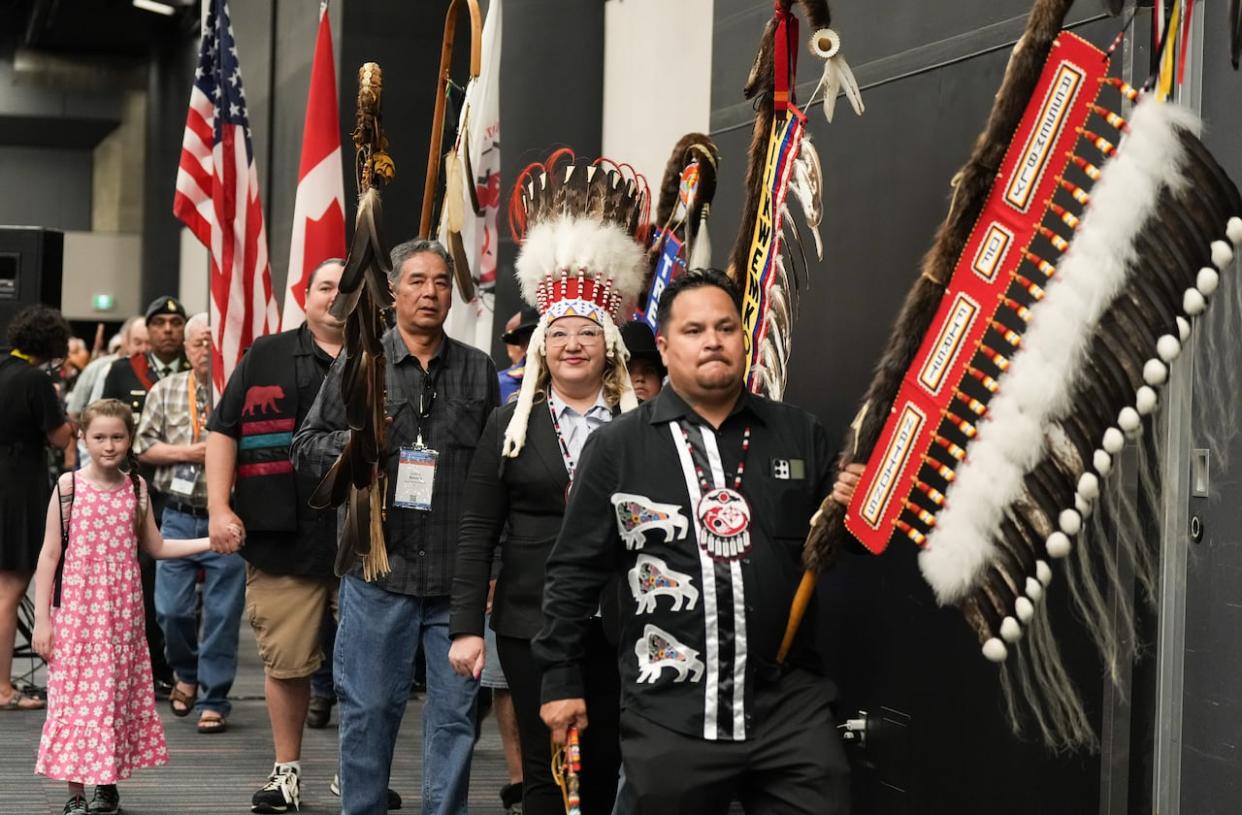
(310,281)
(40,331)
(695,279)
(402,251)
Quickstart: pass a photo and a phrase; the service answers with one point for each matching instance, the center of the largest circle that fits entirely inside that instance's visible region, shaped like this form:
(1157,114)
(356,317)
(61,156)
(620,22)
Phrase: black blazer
(527,493)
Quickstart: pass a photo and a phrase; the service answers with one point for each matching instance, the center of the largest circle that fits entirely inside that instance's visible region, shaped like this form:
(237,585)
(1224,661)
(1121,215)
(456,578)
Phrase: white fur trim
(1222,254)
(515,433)
(1010,631)
(1129,421)
(1154,372)
(1058,545)
(1041,379)
(1234,230)
(1183,328)
(1193,302)
(1102,462)
(1114,441)
(1207,281)
(1043,572)
(1034,590)
(1145,400)
(569,243)
(994,650)
(1025,609)
(1168,347)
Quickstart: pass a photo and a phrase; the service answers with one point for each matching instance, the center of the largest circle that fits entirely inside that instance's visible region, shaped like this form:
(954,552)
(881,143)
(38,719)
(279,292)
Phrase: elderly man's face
(198,349)
(136,341)
(424,292)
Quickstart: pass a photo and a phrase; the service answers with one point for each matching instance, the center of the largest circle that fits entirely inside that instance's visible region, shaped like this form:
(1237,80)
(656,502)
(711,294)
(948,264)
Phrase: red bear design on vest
(262,397)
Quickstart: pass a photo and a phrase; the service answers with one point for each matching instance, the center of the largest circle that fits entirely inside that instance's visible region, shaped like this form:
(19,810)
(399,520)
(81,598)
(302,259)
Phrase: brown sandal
(211,722)
(20,701)
(176,697)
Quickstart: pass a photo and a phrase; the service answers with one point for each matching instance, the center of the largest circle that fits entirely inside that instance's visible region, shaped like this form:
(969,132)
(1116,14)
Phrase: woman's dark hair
(695,279)
(40,331)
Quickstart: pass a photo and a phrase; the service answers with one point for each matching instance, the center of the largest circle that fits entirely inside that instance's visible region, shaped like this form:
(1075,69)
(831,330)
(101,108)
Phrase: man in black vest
(289,547)
(130,379)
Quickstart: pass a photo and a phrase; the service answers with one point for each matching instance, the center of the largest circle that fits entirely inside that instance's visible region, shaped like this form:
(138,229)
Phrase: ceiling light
(157,7)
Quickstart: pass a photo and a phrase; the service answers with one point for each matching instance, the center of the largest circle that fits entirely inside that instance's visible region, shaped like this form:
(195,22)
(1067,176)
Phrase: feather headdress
(357,479)
(782,160)
(579,225)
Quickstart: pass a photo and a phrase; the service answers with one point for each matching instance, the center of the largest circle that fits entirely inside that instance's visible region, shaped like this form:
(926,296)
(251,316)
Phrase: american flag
(218,198)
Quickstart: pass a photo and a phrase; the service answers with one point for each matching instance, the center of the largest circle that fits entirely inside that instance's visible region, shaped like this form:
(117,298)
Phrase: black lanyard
(426,400)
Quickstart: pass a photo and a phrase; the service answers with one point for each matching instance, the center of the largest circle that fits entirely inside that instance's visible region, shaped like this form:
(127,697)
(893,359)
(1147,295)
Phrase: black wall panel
(1212,708)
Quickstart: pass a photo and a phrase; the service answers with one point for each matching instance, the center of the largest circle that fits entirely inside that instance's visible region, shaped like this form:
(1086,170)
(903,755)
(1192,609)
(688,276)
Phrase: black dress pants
(793,763)
(601,752)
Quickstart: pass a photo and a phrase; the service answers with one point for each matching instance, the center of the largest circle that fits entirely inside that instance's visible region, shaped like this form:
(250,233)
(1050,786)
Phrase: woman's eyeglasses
(585,336)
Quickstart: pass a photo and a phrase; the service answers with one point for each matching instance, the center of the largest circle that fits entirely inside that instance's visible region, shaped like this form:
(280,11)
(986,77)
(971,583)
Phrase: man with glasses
(440,393)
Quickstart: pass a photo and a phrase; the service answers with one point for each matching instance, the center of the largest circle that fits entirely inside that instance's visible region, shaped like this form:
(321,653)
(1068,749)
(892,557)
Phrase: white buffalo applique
(637,514)
(651,578)
(658,650)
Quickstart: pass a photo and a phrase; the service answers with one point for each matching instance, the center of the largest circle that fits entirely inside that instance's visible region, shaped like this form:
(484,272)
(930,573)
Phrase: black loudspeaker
(31,268)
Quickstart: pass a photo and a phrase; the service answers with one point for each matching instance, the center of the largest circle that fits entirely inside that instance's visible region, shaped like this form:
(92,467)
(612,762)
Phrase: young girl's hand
(41,639)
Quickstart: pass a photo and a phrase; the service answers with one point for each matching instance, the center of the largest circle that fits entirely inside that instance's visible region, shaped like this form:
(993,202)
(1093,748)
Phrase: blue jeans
(373,666)
(205,657)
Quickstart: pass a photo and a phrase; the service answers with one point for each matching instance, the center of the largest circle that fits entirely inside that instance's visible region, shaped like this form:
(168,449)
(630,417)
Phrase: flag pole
(437,119)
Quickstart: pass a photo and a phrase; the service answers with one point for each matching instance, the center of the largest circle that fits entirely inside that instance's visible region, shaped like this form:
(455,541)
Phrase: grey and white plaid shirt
(422,546)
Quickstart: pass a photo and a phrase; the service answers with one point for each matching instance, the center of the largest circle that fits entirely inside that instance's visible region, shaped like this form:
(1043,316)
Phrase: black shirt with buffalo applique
(701,626)
(264,403)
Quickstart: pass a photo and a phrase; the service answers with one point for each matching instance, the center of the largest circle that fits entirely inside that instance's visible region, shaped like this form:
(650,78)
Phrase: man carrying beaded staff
(699,499)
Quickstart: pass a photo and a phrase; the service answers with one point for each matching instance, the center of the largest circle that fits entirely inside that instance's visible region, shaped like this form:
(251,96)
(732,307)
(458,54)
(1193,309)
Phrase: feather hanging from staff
(680,237)
(782,160)
(356,479)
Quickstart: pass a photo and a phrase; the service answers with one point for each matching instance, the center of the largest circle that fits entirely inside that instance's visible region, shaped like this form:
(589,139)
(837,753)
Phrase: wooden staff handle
(442,80)
(797,611)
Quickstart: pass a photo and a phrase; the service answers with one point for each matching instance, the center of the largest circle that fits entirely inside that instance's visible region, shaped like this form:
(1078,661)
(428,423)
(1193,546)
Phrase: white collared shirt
(576,427)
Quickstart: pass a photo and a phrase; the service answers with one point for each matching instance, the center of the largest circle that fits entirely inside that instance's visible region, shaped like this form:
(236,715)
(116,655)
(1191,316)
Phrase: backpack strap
(65,508)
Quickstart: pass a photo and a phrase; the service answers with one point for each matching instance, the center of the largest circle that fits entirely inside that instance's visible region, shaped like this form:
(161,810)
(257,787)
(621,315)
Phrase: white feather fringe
(566,243)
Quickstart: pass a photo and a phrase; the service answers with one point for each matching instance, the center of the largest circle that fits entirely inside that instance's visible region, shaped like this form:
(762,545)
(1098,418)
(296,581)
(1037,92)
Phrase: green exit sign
(103,302)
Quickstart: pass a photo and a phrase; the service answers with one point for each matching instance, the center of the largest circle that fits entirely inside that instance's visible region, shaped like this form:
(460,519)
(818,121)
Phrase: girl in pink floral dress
(101,721)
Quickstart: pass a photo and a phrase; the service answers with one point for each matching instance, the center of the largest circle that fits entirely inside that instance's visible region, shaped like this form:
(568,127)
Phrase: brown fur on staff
(759,90)
(970,189)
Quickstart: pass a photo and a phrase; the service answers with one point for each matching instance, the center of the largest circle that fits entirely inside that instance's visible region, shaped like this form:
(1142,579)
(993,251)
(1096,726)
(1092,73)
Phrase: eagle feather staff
(356,478)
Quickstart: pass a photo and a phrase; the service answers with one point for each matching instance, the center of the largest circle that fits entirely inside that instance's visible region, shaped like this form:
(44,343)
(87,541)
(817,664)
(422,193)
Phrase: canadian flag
(319,206)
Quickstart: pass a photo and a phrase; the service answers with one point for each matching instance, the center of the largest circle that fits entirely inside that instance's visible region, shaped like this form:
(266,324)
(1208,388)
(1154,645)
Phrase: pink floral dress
(101,721)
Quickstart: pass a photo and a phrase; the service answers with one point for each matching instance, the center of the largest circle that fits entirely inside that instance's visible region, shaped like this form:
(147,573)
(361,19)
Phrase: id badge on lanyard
(185,474)
(416,478)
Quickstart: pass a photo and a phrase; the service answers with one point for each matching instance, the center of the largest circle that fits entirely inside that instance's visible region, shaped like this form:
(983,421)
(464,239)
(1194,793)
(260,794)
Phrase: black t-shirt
(30,408)
(311,550)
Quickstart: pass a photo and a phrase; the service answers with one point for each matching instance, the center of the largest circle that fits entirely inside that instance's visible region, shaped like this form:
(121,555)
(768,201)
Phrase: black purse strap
(65,507)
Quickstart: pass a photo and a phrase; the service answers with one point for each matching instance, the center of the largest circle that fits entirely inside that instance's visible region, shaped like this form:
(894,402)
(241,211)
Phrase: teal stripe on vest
(265,440)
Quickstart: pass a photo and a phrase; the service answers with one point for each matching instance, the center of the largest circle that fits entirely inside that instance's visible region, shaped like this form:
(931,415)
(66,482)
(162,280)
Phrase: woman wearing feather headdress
(580,263)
